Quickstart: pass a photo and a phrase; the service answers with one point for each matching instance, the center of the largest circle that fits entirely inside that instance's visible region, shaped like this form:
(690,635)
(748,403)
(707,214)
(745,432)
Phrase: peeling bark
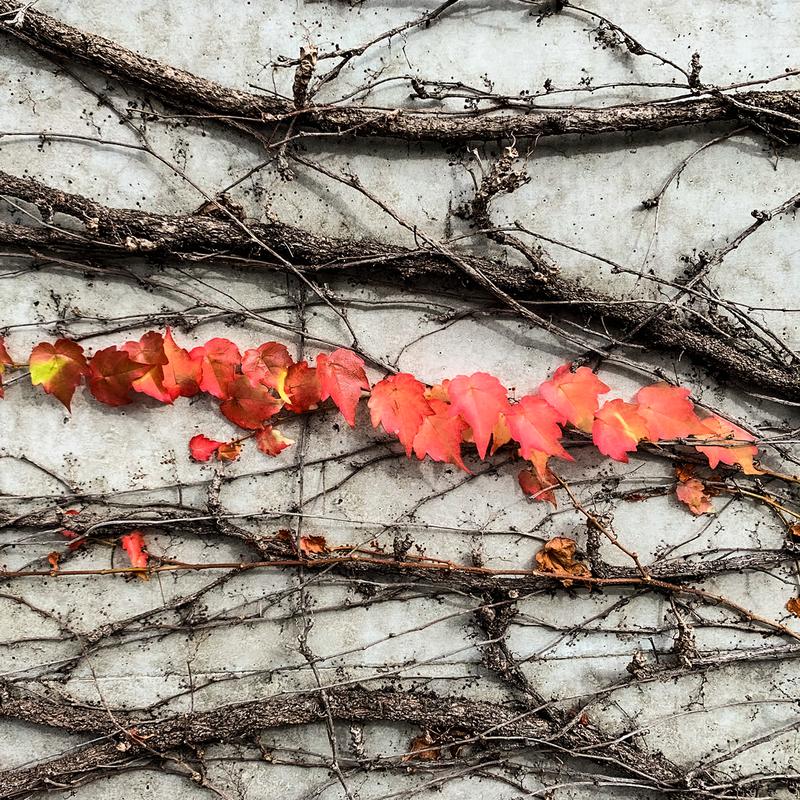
(127,232)
(179,87)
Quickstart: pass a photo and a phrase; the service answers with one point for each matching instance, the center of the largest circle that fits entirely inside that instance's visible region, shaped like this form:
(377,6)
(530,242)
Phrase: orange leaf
(618,429)
(667,411)
(422,748)
(734,454)
(480,399)
(53,559)
(269,365)
(202,448)
(692,492)
(5,361)
(398,403)
(574,395)
(271,441)
(793,606)
(558,557)
(59,368)
(248,406)
(501,434)
(133,543)
(538,481)
(219,359)
(342,377)
(229,451)
(313,544)
(182,372)
(149,351)
(439,391)
(302,388)
(533,423)
(111,373)
(439,435)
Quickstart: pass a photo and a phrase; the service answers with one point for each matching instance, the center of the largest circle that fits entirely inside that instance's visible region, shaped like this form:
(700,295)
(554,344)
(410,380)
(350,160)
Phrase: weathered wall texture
(240,640)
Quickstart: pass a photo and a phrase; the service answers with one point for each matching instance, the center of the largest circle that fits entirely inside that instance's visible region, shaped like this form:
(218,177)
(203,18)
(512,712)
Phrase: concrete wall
(585,192)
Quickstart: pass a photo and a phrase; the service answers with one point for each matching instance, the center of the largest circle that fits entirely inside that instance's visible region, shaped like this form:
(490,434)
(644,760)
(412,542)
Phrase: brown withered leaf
(313,544)
(53,558)
(795,530)
(308,544)
(684,472)
(793,606)
(558,557)
(422,748)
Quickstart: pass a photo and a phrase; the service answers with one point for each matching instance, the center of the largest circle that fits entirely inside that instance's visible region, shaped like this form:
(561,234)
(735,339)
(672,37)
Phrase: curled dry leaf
(313,544)
(229,451)
(53,559)
(793,606)
(422,748)
(558,558)
(309,545)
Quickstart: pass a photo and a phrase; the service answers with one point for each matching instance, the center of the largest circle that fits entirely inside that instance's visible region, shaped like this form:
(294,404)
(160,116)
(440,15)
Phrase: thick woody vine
(469,421)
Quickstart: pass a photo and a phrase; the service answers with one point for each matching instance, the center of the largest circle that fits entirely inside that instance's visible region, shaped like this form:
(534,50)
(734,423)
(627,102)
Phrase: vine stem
(646,581)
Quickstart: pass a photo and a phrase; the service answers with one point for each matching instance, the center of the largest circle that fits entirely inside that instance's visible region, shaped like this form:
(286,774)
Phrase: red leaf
(480,399)
(149,351)
(667,411)
(734,454)
(342,377)
(111,373)
(5,361)
(133,543)
(248,406)
(302,388)
(574,395)
(533,423)
(218,359)
(269,365)
(202,448)
(692,492)
(439,435)
(59,368)
(271,441)
(538,481)
(618,429)
(398,403)
(181,372)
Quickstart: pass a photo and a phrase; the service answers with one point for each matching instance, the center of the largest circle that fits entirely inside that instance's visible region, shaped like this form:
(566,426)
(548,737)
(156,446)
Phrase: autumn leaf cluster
(430,421)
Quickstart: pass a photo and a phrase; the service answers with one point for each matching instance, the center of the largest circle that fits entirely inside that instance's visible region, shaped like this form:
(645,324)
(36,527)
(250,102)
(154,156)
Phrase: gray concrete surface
(585,192)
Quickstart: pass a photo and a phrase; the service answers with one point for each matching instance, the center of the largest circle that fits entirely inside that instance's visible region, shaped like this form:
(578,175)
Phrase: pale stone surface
(587,193)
